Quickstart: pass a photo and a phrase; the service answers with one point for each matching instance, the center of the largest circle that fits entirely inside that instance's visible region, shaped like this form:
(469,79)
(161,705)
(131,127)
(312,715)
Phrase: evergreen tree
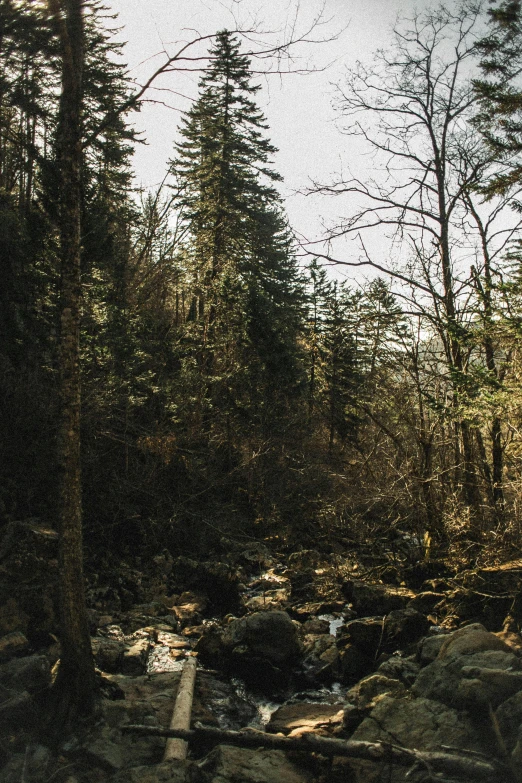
(500,95)
(246,305)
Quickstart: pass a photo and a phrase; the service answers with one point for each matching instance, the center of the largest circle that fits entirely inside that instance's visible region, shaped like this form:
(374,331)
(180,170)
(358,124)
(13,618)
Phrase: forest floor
(347,645)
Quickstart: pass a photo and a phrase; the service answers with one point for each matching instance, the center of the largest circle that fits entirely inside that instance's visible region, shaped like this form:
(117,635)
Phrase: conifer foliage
(245,282)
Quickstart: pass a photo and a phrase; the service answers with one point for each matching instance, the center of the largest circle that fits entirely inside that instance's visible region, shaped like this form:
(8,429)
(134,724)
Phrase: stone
(166,772)
(12,645)
(135,657)
(402,669)
(227,764)
(420,723)
(19,711)
(306,558)
(403,627)
(426,602)
(316,626)
(370,600)
(353,664)
(371,690)
(108,654)
(295,718)
(488,687)
(429,648)
(269,635)
(32,673)
(12,616)
(321,657)
(441,679)
(366,634)
(509,720)
(469,640)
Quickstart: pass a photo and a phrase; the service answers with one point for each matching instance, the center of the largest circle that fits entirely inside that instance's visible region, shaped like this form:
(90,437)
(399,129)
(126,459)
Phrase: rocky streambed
(304,647)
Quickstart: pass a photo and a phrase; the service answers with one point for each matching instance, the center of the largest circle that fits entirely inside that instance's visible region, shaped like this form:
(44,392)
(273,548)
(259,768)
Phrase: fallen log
(472,766)
(177,747)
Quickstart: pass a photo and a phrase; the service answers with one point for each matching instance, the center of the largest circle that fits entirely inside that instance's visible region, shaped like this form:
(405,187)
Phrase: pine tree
(246,306)
(500,96)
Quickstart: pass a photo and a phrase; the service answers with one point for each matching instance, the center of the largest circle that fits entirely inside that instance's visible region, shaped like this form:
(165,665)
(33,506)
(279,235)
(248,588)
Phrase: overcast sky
(297,107)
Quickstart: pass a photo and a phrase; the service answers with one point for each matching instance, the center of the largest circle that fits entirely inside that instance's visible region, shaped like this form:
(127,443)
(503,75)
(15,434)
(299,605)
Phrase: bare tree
(413,110)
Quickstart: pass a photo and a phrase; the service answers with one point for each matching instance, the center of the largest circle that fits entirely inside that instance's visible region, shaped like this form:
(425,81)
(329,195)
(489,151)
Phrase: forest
(208,421)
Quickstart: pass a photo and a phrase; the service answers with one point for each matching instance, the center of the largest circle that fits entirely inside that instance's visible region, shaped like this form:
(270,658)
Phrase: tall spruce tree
(245,309)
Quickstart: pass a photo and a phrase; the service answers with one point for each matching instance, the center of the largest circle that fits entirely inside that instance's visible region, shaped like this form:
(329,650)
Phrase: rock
(441,679)
(426,602)
(31,673)
(370,600)
(487,687)
(429,648)
(321,657)
(402,669)
(419,723)
(271,599)
(218,582)
(295,718)
(353,664)
(403,627)
(509,719)
(366,634)
(135,657)
(469,640)
(255,557)
(316,626)
(371,690)
(227,764)
(18,712)
(269,635)
(108,654)
(12,645)
(166,772)
(12,616)
(306,558)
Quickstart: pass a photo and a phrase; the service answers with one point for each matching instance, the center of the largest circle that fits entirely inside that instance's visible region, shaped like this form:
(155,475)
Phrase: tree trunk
(75,684)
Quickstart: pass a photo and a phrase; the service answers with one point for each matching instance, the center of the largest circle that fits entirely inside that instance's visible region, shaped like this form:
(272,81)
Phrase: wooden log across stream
(469,765)
(177,747)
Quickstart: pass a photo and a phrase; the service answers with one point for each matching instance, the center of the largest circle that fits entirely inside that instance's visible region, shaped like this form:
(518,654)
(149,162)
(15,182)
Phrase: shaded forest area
(232,391)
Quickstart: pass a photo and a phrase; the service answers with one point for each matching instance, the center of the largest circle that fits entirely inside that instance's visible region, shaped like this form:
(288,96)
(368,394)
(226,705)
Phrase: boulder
(269,635)
(227,764)
(316,626)
(426,602)
(12,645)
(108,654)
(445,679)
(371,690)
(366,634)
(368,600)
(353,664)
(403,627)
(135,657)
(18,712)
(469,640)
(306,558)
(323,667)
(31,673)
(418,723)
(166,772)
(429,648)
(509,720)
(302,717)
(397,668)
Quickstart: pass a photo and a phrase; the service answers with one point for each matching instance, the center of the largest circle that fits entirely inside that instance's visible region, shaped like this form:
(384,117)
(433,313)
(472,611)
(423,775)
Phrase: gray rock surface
(227,764)
(418,723)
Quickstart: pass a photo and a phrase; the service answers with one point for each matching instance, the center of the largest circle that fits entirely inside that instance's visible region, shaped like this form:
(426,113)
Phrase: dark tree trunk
(75,684)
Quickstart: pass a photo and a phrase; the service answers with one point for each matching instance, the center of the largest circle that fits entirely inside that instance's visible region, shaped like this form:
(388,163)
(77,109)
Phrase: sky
(298,107)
